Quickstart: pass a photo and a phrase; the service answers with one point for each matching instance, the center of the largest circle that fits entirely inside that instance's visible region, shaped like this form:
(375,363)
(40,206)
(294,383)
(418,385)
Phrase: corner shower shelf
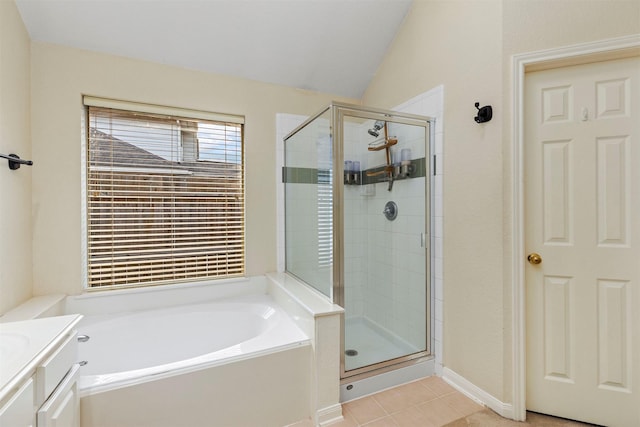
(385,170)
(386,145)
(382,144)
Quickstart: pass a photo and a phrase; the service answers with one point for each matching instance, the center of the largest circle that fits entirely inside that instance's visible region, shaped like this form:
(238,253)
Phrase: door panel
(582,209)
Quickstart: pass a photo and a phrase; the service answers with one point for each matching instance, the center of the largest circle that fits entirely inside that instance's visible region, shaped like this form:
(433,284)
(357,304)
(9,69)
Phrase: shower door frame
(338,112)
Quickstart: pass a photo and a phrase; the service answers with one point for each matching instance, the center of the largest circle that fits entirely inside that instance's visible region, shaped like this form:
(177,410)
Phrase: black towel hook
(15,161)
(484,114)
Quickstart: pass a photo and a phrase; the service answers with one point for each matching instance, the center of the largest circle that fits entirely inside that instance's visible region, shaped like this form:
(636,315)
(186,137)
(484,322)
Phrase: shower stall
(357,229)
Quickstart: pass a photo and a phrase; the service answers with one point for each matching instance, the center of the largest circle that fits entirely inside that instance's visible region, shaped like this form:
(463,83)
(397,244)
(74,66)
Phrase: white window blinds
(165,198)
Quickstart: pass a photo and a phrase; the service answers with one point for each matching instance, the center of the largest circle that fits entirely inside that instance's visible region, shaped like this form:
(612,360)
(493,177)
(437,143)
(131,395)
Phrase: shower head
(376,127)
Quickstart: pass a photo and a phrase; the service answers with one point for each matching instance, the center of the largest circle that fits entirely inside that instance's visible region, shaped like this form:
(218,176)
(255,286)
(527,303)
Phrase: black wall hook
(484,114)
(15,161)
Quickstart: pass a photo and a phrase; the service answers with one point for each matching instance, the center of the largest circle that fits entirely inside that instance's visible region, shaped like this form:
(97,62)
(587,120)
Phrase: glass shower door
(386,229)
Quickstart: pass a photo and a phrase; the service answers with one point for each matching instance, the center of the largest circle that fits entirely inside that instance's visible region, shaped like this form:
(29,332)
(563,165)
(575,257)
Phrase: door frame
(600,50)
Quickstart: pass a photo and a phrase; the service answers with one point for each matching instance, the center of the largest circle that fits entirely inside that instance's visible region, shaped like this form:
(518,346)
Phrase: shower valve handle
(390,211)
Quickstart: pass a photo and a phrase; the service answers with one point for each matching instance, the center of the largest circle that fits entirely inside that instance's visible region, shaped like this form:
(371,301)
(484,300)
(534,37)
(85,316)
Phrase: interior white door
(582,216)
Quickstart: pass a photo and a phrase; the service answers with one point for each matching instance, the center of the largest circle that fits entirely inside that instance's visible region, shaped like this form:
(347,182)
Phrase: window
(325,202)
(165,195)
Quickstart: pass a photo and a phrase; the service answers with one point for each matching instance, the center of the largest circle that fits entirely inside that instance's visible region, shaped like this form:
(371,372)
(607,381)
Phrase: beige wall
(60,76)
(15,185)
(467,46)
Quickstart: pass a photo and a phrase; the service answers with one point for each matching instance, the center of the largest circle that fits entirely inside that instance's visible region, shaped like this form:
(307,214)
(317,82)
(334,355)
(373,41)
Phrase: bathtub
(131,348)
(238,361)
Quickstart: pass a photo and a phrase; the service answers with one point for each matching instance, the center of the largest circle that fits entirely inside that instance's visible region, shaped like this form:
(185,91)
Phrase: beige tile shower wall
(15,185)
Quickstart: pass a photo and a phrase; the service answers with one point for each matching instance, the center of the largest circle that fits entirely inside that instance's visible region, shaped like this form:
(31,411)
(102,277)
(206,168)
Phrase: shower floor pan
(371,344)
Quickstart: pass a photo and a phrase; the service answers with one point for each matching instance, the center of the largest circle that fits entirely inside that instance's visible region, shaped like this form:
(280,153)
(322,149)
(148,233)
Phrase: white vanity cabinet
(18,409)
(56,386)
(62,409)
(38,382)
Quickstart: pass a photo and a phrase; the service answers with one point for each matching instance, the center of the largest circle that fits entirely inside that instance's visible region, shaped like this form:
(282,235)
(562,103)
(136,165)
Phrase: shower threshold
(355,388)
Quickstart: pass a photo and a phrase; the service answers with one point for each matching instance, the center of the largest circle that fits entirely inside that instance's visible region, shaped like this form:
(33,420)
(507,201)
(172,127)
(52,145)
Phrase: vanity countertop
(24,344)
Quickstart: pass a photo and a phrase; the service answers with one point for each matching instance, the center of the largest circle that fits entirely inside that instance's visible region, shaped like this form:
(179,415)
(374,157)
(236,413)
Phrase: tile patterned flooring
(429,402)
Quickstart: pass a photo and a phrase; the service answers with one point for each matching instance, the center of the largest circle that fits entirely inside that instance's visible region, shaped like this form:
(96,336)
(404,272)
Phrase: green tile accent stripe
(291,175)
(302,175)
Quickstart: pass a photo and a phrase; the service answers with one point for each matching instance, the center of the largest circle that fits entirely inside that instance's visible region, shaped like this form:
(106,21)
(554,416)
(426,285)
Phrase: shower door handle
(423,240)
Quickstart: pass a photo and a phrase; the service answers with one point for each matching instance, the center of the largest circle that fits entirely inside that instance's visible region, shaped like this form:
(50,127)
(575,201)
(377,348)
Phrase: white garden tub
(237,361)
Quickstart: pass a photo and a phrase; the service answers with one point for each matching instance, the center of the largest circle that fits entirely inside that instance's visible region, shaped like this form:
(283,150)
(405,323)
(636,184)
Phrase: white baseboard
(329,415)
(476,393)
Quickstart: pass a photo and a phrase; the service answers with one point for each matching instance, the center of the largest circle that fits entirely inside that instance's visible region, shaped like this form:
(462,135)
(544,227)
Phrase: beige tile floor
(429,402)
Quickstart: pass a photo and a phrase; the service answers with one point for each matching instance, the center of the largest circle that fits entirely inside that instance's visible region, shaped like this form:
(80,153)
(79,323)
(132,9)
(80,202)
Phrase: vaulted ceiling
(332,46)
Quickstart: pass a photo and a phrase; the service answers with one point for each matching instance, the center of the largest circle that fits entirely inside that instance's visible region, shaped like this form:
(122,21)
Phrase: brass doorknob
(534,258)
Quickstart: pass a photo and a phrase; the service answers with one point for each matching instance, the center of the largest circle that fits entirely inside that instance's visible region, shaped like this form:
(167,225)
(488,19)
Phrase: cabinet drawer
(55,367)
(62,409)
(18,411)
